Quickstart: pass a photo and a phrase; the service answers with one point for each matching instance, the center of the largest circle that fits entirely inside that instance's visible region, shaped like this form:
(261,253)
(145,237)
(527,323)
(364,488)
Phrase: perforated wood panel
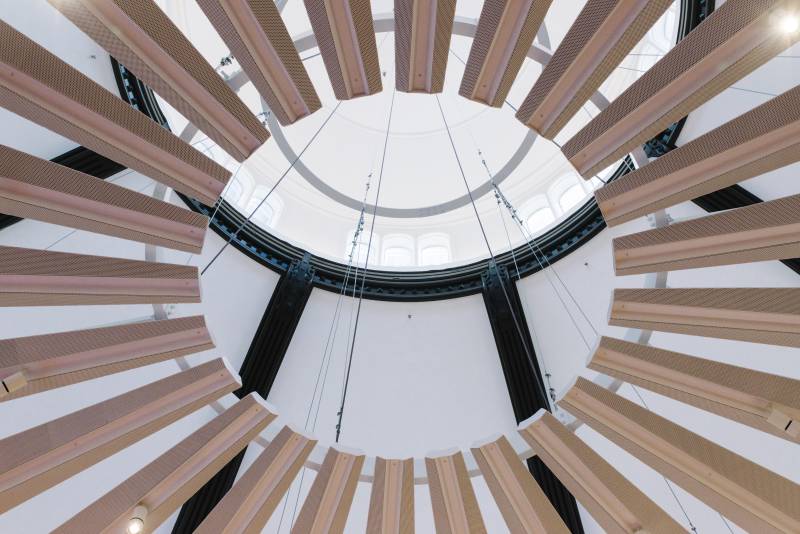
(249,504)
(391,504)
(143,38)
(423,29)
(522,502)
(753,497)
(759,141)
(759,315)
(737,38)
(256,35)
(767,402)
(328,502)
(347,45)
(35,188)
(455,508)
(31,277)
(169,480)
(56,360)
(765,231)
(599,39)
(36,459)
(40,87)
(504,35)
(614,502)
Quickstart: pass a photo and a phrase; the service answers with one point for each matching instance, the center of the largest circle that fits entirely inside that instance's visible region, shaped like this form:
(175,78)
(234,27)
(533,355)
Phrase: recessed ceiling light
(789,24)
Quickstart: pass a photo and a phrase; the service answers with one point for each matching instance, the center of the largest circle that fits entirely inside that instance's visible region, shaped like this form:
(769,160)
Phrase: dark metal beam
(258,372)
(514,345)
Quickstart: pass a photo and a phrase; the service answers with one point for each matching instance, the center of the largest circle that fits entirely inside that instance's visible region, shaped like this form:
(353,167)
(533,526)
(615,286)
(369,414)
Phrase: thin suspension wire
(666,480)
(269,193)
(340,414)
(531,361)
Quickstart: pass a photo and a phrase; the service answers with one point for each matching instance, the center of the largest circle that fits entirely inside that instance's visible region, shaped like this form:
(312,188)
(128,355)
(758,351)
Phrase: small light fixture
(136,522)
(789,23)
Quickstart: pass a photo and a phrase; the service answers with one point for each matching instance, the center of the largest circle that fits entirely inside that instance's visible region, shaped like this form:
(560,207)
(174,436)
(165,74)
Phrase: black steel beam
(514,346)
(258,372)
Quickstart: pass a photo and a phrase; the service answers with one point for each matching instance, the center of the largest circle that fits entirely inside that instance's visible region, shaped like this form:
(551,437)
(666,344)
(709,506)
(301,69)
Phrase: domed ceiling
(425,219)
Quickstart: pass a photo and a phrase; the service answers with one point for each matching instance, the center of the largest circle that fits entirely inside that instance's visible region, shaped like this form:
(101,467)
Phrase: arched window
(539,220)
(266,211)
(361,247)
(571,197)
(434,249)
(398,250)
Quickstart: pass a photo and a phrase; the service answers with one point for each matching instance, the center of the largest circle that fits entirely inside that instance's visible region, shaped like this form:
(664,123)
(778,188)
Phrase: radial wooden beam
(598,41)
(766,402)
(346,39)
(34,188)
(455,508)
(391,504)
(52,361)
(328,502)
(31,277)
(615,503)
(163,484)
(758,315)
(733,41)
(37,459)
(763,139)
(766,231)
(422,43)
(505,32)
(524,506)
(249,504)
(143,38)
(39,86)
(756,499)
(258,38)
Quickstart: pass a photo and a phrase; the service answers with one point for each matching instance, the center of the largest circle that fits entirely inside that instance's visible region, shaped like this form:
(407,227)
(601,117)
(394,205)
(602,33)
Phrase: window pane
(540,219)
(571,197)
(434,255)
(397,257)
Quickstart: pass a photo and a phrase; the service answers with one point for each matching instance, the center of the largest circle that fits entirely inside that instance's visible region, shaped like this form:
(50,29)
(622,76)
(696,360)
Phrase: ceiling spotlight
(136,523)
(789,24)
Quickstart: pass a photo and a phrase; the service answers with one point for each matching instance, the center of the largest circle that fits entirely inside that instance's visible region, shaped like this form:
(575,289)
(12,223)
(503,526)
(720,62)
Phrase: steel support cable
(269,193)
(340,414)
(539,388)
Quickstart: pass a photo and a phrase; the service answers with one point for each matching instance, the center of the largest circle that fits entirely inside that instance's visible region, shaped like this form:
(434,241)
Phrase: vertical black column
(507,319)
(258,372)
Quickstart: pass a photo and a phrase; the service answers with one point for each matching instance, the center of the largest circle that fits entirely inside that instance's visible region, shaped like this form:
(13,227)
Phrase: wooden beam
(249,504)
(37,459)
(504,35)
(31,277)
(346,38)
(258,38)
(765,402)
(766,231)
(757,315)
(52,361)
(423,29)
(143,38)
(391,504)
(34,188)
(761,140)
(524,506)
(754,498)
(734,40)
(596,43)
(328,502)
(617,505)
(42,88)
(455,508)
(163,484)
